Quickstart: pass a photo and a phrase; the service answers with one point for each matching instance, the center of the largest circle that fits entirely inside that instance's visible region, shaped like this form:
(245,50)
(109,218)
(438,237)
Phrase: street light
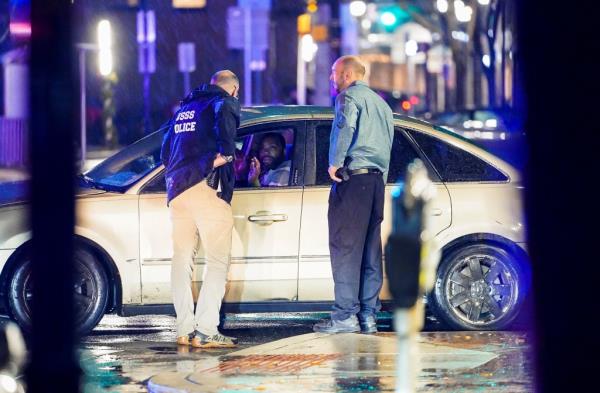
(358,8)
(105,66)
(388,18)
(105,60)
(306,53)
(83,48)
(411,48)
(463,12)
(309,48)
(442,6)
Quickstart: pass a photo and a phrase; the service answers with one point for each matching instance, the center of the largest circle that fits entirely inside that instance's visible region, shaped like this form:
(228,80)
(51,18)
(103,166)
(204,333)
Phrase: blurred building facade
(421,55)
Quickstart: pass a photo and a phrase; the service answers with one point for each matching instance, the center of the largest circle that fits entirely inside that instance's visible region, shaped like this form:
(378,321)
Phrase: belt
(362,171)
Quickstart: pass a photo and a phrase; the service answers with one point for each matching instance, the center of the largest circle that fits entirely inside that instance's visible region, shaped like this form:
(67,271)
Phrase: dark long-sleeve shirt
(205,125)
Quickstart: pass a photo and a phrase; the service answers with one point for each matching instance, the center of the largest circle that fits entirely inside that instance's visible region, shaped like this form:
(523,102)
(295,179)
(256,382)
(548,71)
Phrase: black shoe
(368,325)
(348,325)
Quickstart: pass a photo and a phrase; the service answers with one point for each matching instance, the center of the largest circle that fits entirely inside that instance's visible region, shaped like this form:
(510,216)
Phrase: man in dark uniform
(361,140)
(197,152)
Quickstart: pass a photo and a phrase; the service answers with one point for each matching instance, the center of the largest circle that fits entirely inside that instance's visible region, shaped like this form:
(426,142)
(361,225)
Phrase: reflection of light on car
(472,124)
(491,123)
(488,135)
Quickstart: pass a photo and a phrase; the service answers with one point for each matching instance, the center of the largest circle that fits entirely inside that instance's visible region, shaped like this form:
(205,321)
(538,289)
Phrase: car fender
(513,236)
(126,267)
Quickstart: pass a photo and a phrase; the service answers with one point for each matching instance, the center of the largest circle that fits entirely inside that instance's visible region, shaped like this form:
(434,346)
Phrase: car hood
(17,193)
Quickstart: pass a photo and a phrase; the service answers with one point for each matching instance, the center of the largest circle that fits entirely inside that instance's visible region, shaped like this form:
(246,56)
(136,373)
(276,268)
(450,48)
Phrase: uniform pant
(199,212)
(355,215)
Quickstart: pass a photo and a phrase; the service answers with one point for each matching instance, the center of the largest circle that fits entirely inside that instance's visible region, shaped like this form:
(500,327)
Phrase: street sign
(236,28)
(146,38)
(187,56)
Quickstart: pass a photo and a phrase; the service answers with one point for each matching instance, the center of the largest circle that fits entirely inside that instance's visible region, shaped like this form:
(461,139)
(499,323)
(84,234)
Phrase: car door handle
(436,212)
(266,218)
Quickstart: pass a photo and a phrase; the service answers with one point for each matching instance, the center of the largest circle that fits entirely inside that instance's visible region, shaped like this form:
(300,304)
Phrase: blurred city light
(309,48)
(414,100)
(484,2)
(366,24)
(406,105)
(105,61)
(460,36)
(411,48)
(491,123)
(146,26)
(21,29)
(150,26)
(358,8)
(442,6)
(463,12)
(486,60)
(388,18)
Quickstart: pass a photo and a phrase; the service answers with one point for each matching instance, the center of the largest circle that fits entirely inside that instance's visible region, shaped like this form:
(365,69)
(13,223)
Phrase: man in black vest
(197,152)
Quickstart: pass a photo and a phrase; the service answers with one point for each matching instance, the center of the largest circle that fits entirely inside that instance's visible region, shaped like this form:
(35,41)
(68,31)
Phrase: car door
(315,281)
(264,265)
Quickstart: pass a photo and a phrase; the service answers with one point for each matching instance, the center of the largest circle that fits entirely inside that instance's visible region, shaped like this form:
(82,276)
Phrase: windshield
(126,167)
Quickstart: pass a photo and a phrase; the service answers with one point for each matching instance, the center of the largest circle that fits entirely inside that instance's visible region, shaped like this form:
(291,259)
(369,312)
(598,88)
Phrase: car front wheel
(90,292)
(478,287)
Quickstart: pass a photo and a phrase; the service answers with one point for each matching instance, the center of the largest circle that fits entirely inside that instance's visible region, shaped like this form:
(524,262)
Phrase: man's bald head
(353,63)
(227,80)
(345,71)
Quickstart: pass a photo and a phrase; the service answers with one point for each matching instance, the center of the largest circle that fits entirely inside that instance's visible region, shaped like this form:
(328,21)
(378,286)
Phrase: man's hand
(332,170)
(219,160)
(254,172)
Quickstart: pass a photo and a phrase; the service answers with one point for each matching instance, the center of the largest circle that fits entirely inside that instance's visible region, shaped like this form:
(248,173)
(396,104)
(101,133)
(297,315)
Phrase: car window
(247,147)
(157,185)
(128,165)
(264,158)
(455,164)
(403,153)
(322,155)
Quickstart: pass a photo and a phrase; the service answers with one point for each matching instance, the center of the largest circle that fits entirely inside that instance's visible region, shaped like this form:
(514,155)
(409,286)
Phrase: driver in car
(270,168)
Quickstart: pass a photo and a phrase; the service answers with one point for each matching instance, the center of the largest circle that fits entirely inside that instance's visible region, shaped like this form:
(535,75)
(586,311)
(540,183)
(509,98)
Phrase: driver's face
(270,151)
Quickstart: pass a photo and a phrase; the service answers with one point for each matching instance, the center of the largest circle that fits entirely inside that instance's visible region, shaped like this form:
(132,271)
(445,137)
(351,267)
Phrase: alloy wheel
(481,289)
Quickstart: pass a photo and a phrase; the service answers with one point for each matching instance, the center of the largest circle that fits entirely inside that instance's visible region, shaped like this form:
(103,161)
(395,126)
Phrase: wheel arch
(508,245)
(115,295)
(512,248)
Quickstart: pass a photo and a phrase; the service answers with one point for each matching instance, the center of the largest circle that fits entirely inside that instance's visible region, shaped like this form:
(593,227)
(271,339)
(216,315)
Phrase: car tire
(90,290)
(478,287)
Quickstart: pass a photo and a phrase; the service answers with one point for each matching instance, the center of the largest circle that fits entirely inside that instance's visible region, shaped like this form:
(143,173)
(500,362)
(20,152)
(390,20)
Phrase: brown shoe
(185,340)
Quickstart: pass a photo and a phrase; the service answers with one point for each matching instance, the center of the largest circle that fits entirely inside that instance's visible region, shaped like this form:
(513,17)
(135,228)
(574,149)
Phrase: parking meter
(410,260)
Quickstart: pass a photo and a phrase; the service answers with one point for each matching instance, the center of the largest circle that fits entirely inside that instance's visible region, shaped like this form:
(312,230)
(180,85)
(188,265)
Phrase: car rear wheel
(90,291)
(478,287)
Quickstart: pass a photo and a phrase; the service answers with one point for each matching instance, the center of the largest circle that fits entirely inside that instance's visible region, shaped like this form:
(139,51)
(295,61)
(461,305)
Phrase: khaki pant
(199,211)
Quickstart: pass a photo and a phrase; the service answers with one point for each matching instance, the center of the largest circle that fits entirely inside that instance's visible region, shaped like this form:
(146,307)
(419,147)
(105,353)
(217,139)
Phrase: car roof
(263,114)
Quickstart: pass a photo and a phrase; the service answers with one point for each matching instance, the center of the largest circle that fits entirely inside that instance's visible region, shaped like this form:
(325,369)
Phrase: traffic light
(391,17)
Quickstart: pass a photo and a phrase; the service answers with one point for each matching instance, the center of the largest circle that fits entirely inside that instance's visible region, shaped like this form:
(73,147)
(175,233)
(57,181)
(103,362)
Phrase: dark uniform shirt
(205,125)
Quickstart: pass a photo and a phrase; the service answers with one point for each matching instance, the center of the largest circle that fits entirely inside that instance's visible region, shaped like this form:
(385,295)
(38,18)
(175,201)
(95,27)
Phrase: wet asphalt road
(121,354)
